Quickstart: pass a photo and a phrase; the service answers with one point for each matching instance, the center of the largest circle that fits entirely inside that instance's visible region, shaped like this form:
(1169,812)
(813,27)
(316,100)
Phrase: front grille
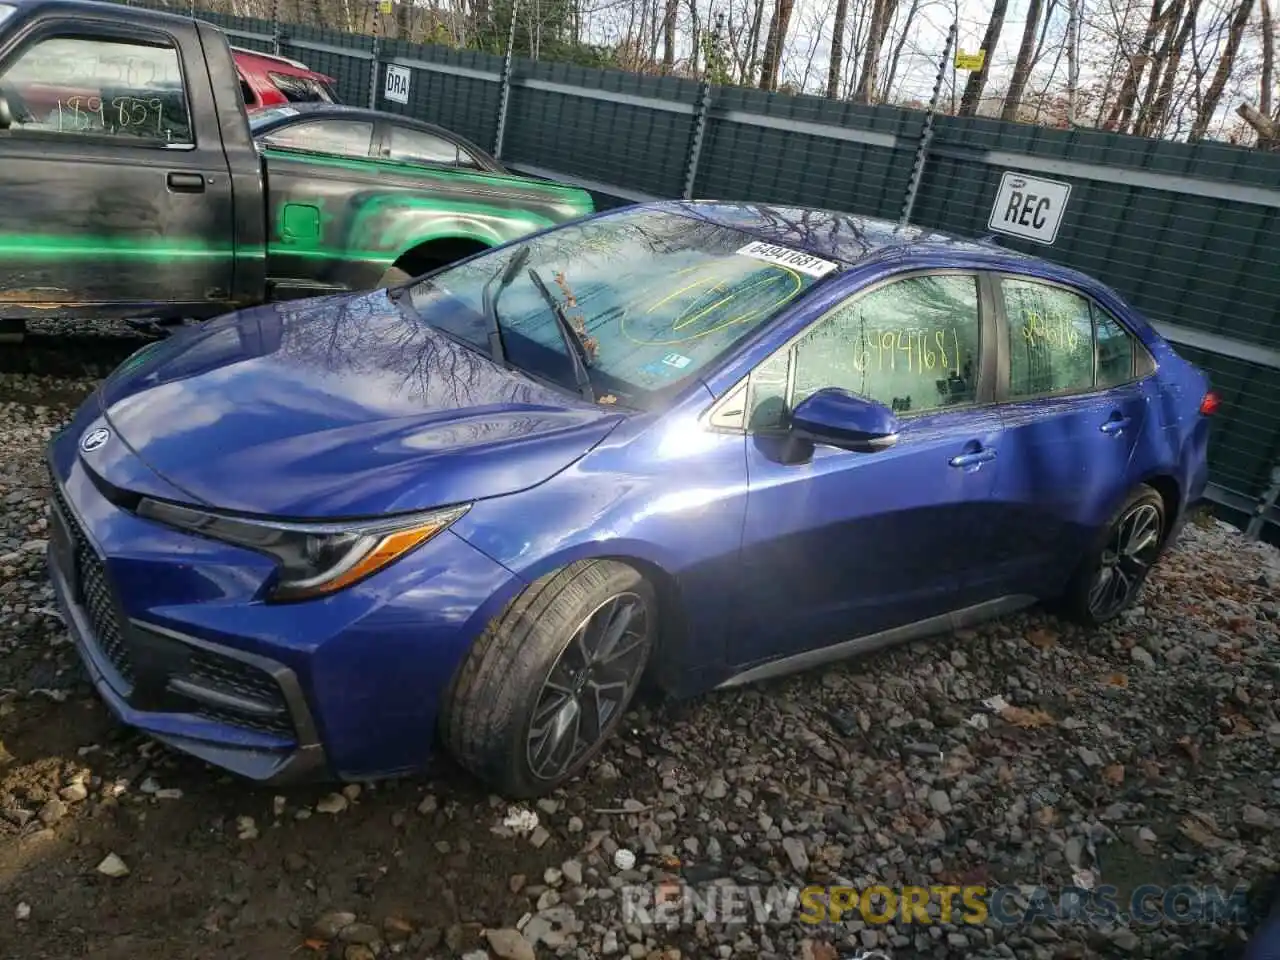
(238,678)
(164,673)
(95,590)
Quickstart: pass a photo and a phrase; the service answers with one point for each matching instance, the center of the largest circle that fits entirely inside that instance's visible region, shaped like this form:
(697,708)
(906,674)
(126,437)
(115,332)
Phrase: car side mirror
(6,113)
(840,419)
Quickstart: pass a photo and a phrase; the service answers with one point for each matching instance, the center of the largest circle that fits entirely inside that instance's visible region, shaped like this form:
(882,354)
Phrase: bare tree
(1022,66)
(877,29)
(978,78)
(1265,117)
(837,48)
(907,24)
(772,61)
(1212,97)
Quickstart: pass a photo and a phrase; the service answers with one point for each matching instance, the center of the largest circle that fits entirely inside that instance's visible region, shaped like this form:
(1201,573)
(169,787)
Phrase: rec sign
(1029,207)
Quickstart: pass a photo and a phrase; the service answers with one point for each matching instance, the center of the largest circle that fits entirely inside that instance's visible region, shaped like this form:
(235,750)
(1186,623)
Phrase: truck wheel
(394,277)
(546,684)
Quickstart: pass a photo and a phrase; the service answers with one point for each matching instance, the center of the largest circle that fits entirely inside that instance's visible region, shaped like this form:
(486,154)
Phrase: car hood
(341,406)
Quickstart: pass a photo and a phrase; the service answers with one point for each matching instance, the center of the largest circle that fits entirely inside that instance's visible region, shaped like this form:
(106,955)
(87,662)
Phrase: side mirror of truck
(6,115)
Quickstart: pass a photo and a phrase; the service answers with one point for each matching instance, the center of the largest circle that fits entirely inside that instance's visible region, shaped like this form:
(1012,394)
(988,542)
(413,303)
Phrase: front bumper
(236,710)
(173,630)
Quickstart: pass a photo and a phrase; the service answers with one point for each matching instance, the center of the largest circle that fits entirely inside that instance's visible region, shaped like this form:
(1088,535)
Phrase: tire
(394,277)
(1142,509)
(499,693)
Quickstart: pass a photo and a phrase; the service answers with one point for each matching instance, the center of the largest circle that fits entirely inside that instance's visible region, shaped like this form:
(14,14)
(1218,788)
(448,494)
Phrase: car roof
(314,109)
(97,6)
(849,238)
(277,63)
(831,234)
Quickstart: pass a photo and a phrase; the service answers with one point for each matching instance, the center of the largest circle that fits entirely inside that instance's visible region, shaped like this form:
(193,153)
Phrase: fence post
(277,34)
(926,132)
(700,122)
(376,50)
(504,96)
(1259,519)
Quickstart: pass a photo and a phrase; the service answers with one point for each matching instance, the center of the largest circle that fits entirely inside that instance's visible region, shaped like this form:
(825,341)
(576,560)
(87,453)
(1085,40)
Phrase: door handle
(186,182)
(1115,425)
(973,459)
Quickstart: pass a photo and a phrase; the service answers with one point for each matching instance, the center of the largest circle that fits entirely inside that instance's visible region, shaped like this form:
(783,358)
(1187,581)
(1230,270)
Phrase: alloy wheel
(1128,555)
(591,682)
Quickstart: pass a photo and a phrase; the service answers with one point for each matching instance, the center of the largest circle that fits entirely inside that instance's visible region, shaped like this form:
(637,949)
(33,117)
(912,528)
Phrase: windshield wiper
(572,339)
(489,297)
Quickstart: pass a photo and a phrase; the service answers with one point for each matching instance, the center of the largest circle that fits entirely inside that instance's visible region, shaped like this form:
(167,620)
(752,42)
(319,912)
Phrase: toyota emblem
(95,439)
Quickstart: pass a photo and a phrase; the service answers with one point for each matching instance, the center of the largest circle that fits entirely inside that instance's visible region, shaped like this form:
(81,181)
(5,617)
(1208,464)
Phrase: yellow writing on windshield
(708,298)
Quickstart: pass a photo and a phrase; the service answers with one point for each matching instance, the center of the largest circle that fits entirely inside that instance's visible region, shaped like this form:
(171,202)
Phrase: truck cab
(129,184)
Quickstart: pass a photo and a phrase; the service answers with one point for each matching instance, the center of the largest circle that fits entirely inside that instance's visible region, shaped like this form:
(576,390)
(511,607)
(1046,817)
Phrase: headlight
(313,559)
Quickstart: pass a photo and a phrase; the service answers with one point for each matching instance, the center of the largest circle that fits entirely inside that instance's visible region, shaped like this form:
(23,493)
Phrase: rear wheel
(1113,573)
(546,685)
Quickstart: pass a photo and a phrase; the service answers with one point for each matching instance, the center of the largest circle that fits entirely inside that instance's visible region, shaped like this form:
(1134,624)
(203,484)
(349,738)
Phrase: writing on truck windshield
(654,297)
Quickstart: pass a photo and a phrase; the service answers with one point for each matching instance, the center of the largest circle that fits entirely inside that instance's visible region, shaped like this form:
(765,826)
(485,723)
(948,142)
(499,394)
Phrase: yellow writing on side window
(918,351)
(1053,332)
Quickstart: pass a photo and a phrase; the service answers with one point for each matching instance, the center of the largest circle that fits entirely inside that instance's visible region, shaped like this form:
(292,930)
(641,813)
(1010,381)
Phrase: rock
(22,912)
(1124,939)
(329,925)
(510,944)
(113,866)
(52,812)
(540,836)
(1142,657)
(940,801)
(397,929)
(1253,816)
(1089,757)
(358,951)
(246,828)
(572,871)
(428,805)
(364,933)
(74,793)
(334,803)
(716,788)
(793,847)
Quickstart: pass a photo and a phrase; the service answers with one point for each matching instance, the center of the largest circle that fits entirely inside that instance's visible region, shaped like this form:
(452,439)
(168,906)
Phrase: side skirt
(955,620)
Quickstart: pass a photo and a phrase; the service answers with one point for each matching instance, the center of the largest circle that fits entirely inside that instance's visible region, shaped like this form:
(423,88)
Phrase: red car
(270,81)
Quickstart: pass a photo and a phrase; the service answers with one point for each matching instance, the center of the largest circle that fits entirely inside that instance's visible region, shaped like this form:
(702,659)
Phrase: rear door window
(95,86)
(418,146)
(343,138)
(1063,343)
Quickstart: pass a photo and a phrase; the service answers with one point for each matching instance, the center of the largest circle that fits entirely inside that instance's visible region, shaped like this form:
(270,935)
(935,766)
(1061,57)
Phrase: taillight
(1209,405)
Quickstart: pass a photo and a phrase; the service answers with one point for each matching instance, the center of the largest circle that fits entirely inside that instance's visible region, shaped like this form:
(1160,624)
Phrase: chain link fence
(1190,234)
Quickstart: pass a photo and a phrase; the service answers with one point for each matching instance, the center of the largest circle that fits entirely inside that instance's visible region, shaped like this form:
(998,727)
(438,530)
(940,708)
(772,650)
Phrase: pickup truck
(131,187)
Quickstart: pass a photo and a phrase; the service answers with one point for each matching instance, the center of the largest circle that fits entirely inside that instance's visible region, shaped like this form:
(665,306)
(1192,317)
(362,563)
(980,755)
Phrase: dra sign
(1029,207)
(397,86)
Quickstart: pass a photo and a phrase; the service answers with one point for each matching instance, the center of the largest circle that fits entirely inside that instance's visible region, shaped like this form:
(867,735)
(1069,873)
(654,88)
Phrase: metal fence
(1190,234)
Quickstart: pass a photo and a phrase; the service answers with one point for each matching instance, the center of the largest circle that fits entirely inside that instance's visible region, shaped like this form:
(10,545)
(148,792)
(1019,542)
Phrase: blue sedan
(696,444)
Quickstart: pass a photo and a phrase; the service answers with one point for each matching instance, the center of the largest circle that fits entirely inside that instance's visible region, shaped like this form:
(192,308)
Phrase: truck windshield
(655,296)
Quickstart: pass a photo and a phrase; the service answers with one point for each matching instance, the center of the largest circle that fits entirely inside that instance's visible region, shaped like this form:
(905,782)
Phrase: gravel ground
(1144,753)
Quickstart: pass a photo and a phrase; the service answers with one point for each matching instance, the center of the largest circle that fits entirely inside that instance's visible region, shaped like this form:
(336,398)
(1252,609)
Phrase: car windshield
(655,296)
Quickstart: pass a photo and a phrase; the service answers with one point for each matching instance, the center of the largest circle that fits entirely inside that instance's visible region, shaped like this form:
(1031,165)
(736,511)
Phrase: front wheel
(546,685)
(1113,573)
